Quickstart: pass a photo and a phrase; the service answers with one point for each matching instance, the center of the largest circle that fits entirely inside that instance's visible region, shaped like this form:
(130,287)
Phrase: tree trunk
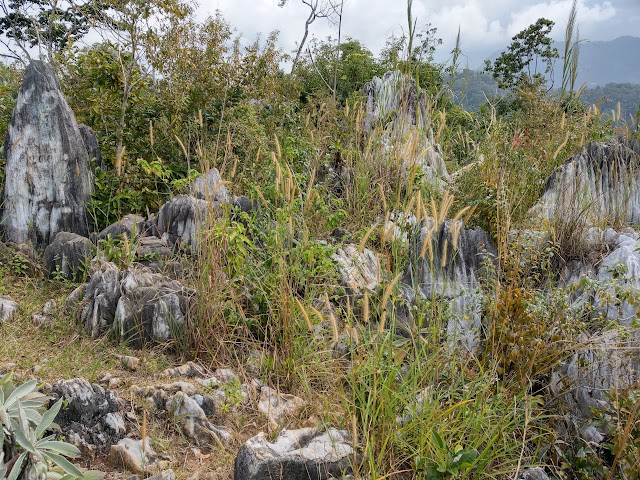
(312,17)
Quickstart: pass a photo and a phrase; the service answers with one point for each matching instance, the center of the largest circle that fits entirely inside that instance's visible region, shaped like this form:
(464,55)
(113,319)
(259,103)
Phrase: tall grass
(415,407)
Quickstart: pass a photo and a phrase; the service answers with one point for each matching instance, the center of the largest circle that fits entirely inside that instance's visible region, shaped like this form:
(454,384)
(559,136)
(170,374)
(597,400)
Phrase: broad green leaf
(437,439)
(48,418)
(93,475)
(22,391)
(62,448)
(17,467)
(32,416)
(23,440)
(63,463)
(465,458)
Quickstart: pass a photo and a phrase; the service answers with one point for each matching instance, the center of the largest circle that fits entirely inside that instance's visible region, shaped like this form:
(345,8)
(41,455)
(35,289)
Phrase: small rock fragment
(166,475)
(40,319)
(295,454)
(535,473)
(129,362)
(277,405)
(188,370)
(226,375)
(135,457)
(49,307)
(193,421)
(185,387)
(8,308)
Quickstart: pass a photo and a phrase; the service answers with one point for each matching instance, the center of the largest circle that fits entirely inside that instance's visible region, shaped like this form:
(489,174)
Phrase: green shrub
(23,449)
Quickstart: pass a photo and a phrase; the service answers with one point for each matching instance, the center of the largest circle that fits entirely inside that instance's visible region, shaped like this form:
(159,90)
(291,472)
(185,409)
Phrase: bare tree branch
(317,9)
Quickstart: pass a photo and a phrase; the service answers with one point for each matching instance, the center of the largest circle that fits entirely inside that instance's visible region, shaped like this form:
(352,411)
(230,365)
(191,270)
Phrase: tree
(129,25)
(50,24)
(519,64)
(317,9)
(356,67)
(419,61)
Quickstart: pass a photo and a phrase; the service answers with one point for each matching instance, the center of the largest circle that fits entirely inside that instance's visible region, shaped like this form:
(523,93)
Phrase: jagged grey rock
(598,186)
(210,186)
(68,255)
(136,456)
(91,145)
(616,277)
(130,225)
(395,103)
(166,475)
(620,272)
(90,416)
(188,370)
(276,405)
(182,218)
(151,309)
(610,358)
(534,473)
(392,99)
(607,360)
(193,421)
(358,271)
(302,454)
(8,308)
(445,263)
(152,249)
(48,181)
(138,305)
(101,296)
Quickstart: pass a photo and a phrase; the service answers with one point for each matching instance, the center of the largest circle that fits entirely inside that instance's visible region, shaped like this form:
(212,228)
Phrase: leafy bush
(23,449)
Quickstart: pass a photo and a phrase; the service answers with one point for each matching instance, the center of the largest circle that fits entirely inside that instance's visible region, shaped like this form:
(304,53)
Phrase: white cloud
(486,26)
(558,11)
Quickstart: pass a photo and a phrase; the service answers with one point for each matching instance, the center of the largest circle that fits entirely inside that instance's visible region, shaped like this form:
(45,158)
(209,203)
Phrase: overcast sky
(486,25)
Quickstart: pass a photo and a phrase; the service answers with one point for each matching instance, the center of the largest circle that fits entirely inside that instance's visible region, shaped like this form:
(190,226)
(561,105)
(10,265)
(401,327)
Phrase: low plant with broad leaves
(24,450)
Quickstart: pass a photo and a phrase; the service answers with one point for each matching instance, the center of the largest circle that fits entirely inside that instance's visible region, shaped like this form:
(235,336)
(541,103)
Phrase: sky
(486,26)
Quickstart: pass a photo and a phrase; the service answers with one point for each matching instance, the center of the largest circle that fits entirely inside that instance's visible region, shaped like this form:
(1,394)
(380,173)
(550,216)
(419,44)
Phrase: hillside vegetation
(444,355)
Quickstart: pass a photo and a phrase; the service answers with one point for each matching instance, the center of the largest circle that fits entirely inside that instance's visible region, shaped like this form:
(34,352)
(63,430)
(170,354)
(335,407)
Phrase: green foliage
(619,101)
(517,66)
(452,461)
(23,448)
(356,66)
(419,62)
(141,188)
(422,411)
(93,83)
(120,250)
(51,25)
(518,152)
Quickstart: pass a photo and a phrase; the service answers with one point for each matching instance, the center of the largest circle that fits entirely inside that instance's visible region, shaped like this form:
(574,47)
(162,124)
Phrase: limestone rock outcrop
(68,256)
(91,417)
(446,262)
(48,180)
(8,308)
(137,305)
(182,218)
(91,144)
(397,106)
(600,185)
(300,454)
(210,186)
(130,225)
(359,271)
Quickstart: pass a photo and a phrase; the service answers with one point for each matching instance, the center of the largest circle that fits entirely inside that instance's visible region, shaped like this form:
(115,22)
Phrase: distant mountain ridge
(471,89)
(602,62)
(615,61)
